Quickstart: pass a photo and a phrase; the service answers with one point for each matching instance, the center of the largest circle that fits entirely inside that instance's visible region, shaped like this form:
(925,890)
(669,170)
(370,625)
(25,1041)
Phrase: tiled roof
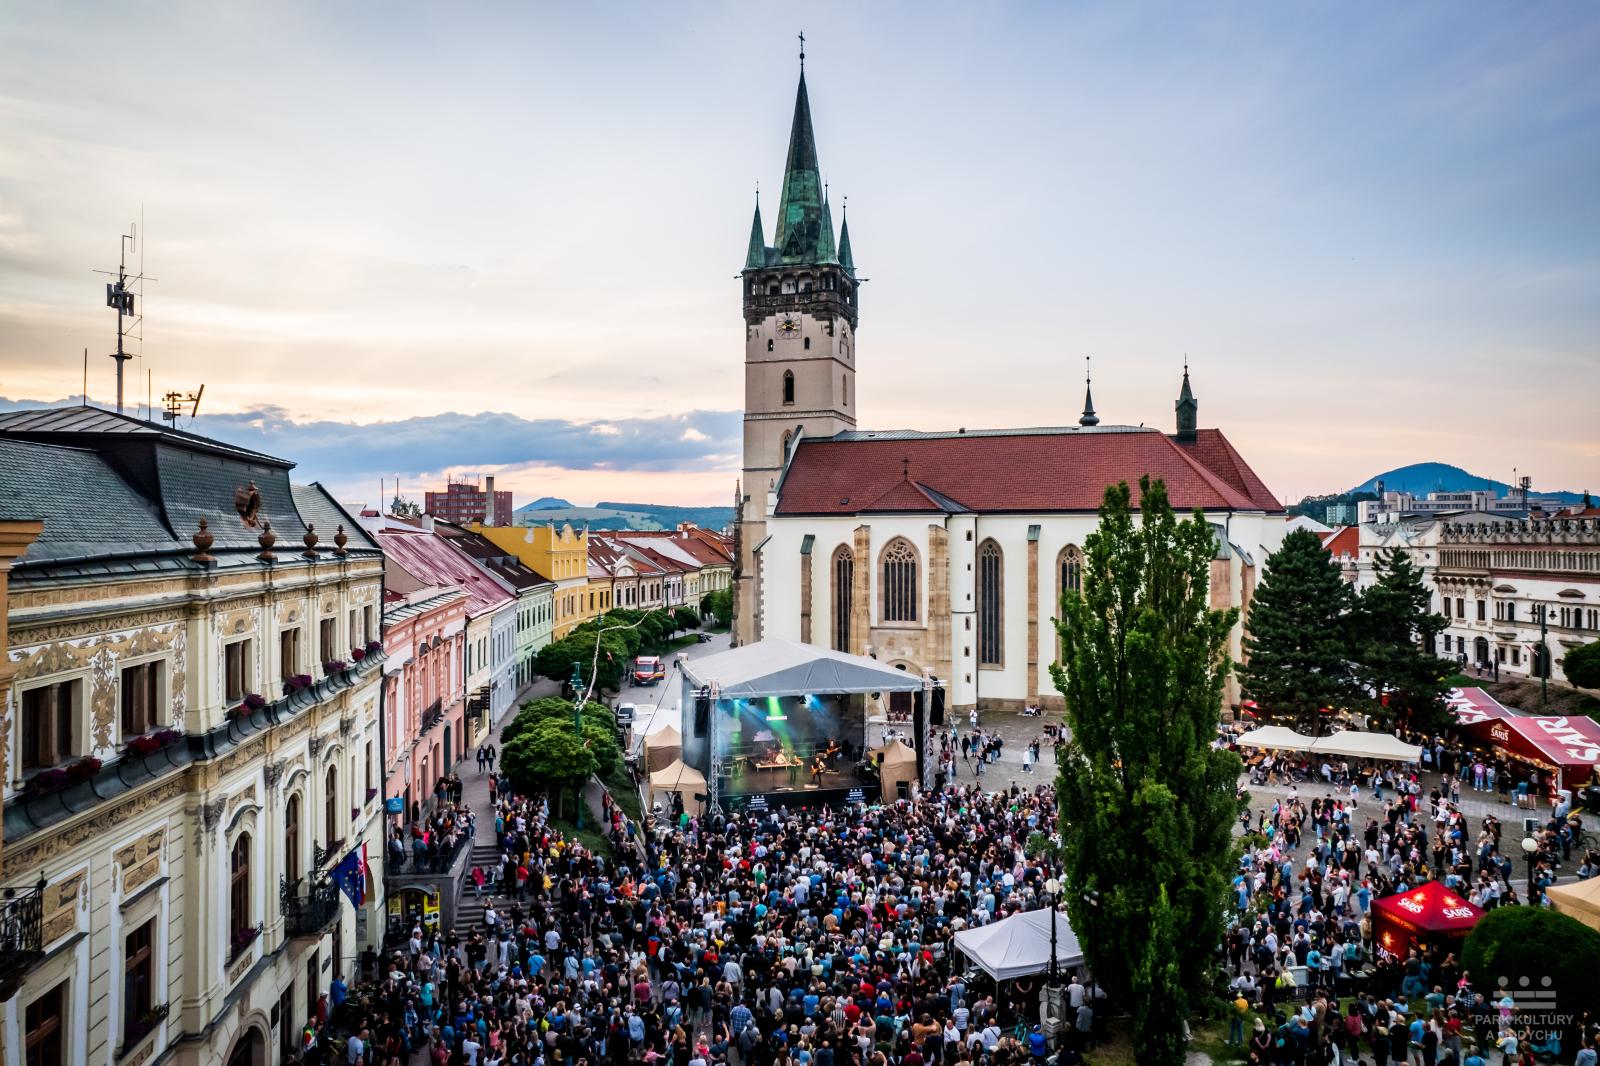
(910,497)
(1343,541)
(87,509)
(433,562)
(100,423)
(1015,471)
(319,508)
(487,553)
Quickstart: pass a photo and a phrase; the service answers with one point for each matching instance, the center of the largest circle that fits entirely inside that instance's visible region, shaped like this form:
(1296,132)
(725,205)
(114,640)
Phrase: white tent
(662,747)
(1276,737)
(686,781)
(1580,900)
(774,667)
(1020,945)
(1366,746)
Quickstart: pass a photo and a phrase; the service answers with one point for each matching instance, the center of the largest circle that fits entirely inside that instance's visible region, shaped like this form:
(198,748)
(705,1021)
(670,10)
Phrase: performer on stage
(819,764)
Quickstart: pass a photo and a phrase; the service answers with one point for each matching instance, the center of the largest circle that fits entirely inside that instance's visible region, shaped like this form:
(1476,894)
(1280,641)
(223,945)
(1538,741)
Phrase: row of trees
(622,633)
(1312,642)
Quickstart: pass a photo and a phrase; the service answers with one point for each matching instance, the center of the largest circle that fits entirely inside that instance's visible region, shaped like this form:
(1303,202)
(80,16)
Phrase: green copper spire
(1188,408)
(756,256)
(825,247)
(846,260)
(800,211)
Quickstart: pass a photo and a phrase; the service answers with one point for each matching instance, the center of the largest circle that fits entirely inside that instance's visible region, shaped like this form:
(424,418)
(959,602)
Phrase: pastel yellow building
(560,554)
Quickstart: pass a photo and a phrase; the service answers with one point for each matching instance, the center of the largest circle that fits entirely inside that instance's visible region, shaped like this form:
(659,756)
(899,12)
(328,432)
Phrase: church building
(943,553)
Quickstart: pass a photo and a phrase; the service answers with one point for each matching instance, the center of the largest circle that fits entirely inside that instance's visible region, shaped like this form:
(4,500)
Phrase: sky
(408,240)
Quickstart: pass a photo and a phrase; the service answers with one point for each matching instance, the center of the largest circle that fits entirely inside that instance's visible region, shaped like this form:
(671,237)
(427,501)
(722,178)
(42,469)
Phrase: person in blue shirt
(338,992)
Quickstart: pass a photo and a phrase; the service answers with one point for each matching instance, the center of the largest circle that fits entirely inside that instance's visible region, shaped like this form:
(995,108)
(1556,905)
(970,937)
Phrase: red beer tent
(1429,912)
(1564,745)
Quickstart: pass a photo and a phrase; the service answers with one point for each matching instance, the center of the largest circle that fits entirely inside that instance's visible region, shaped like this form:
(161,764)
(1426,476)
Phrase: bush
(1582,665)
(1549,951)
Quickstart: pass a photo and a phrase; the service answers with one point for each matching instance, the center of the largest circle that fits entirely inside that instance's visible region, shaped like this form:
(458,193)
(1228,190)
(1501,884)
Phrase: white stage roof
(775,667)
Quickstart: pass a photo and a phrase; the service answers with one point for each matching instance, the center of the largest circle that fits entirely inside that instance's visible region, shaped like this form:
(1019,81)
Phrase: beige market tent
(662,748)
(1360,745)
(686,781)
(1276,737)
(1580,900)
(898,764)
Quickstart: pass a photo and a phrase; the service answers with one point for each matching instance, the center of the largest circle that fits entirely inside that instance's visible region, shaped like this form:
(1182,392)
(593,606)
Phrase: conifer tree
(1146,804)
(1297,656)
(1394,636)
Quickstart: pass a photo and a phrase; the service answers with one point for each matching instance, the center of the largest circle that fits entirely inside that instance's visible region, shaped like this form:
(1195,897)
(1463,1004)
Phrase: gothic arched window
(291,839)
(991,604)
(1071,570)
(844,576)
(788,386)
(899,592)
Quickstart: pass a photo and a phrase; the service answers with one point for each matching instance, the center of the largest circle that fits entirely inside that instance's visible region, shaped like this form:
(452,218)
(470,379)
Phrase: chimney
(488,499)
(426,522)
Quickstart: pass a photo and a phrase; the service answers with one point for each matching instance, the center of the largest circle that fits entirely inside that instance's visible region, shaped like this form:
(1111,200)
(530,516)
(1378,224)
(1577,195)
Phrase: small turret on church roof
(755,256)
(846,258)
(1188,409)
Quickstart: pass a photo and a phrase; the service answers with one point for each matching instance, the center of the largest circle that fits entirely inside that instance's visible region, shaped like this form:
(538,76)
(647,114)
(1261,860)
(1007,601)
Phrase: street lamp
(1542,662)
(1530,847)
(1053,887)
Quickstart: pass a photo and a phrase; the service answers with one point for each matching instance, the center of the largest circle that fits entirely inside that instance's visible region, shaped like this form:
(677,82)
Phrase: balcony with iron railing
(21,935)
(308,914)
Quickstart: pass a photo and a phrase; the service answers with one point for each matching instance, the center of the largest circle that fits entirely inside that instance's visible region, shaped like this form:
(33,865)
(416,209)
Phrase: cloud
(697,441)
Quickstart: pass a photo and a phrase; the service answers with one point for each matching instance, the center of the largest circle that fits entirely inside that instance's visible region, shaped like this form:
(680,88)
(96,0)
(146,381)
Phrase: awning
(775,667)
(1020,945)
(1580,901)
(1564,744)
(1426,912)
(1277,737)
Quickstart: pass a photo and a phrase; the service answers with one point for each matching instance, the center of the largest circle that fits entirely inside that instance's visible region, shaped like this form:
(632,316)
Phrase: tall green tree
(1582,665)
(1296,635)
(1394,630)
(1146,804)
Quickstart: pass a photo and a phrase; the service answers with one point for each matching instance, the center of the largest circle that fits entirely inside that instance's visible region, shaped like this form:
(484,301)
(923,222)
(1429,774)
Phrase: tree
(1582,665)
(1146,804)
(534,712)
(1295,635)
(550,754)
(1539,950)
(401,507)
(1394,630)
(685,618)
(718,605)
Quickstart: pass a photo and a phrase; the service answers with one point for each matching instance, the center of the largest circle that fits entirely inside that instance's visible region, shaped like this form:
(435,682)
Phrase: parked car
(647,670)
(624,713)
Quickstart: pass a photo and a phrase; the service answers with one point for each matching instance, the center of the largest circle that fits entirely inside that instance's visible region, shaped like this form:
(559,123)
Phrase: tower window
(807,344)
(788,382)
(769,344)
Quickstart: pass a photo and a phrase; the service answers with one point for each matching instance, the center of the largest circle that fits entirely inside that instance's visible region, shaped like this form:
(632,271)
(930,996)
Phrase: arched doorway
(1480,651)
(249,1048)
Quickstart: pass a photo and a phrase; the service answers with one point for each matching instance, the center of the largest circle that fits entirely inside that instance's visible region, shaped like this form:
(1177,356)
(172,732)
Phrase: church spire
(800,210)
(1088,418)
(846,259)
(756,256)
(826,251)
(1188,407)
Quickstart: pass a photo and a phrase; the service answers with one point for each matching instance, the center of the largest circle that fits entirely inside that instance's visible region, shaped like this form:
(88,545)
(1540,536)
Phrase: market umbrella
(1278,737)
(1580,900)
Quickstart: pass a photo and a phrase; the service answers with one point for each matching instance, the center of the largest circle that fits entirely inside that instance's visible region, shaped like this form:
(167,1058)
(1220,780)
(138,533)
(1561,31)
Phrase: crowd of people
(816,937)
(433,838)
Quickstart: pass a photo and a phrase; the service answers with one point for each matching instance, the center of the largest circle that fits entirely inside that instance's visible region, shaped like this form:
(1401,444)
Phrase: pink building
(424,640)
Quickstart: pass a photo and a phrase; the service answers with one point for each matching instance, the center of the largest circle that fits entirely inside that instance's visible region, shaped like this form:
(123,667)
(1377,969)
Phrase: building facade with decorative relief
(943,553)
(193,745)
(1519,593)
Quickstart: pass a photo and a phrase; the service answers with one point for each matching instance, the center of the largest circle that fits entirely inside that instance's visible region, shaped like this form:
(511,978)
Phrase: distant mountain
(545,503)
(669,517)
(1419,479)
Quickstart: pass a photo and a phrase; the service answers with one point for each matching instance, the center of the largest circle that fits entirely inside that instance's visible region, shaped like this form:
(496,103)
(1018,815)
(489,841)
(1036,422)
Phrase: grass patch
(678,643)
(625,792)
(594,841)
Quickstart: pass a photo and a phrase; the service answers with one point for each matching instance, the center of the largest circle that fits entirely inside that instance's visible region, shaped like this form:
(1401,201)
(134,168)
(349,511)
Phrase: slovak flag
(351,877)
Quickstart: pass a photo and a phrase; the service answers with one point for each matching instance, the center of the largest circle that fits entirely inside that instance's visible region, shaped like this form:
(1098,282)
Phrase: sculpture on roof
(247,501)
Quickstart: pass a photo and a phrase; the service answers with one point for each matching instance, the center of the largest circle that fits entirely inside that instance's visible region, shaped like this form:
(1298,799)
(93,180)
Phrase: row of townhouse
(1517,593)
(192,746)
(597,571)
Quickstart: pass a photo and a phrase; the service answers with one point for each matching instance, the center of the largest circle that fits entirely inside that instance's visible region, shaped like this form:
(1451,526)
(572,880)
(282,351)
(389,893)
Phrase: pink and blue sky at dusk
(1373,230)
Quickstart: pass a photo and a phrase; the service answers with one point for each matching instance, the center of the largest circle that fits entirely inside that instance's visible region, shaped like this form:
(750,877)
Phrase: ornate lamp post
(1053,887)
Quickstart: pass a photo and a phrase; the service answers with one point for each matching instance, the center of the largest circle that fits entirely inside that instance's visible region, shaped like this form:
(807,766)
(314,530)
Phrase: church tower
(800,307)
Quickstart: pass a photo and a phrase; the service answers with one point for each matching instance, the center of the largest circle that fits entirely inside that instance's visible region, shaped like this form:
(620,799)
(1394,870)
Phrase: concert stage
(778,723)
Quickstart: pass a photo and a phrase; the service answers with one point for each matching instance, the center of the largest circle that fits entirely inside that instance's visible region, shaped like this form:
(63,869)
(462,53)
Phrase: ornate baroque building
(192,740)
(943,553)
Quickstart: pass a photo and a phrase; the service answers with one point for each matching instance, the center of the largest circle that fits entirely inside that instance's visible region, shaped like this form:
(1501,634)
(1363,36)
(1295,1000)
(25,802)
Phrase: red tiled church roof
(1013,471)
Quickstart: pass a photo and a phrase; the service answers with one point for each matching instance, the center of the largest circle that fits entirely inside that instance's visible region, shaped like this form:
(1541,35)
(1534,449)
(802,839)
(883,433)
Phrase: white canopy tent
(1277,737)
(1020,945)
(1360,745)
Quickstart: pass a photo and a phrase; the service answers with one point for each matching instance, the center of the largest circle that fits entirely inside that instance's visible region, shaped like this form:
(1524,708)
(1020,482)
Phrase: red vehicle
(647,670)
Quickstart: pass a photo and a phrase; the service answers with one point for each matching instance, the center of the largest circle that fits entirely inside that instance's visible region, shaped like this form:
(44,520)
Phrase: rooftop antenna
(121,298)
(86,377)
(173,404)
